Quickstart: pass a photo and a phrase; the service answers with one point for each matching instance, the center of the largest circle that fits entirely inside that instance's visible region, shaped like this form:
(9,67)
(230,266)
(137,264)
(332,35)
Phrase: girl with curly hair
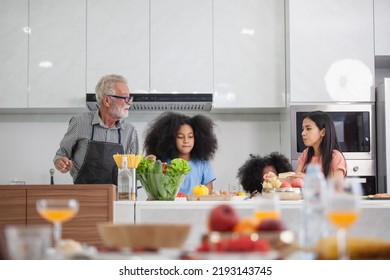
(250,174)
(173,135)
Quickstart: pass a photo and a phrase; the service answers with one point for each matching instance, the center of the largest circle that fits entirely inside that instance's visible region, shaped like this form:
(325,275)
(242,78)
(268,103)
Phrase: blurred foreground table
(373,221)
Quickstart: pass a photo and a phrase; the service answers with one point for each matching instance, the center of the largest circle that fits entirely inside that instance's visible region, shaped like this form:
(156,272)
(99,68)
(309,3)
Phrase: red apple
(297,183)
(285,185)
(269,224)
(223,218)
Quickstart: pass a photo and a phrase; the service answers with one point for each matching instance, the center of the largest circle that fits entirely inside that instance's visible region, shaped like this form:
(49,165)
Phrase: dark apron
(99,166)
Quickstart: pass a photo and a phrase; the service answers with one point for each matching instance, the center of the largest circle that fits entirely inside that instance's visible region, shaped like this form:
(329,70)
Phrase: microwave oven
(355,129)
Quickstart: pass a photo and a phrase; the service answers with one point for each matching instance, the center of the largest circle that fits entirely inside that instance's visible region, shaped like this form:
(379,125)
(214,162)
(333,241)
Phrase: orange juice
(57,214)
(262,214)
(343,219)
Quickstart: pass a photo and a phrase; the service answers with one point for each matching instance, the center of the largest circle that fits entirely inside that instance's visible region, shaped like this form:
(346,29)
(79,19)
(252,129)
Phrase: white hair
(105,86)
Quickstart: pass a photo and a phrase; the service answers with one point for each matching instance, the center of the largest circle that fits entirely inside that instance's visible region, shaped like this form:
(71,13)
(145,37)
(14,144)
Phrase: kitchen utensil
(51,176)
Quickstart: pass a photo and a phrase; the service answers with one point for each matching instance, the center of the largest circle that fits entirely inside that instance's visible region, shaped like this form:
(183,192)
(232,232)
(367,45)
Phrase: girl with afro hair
(173,135)
(250,174)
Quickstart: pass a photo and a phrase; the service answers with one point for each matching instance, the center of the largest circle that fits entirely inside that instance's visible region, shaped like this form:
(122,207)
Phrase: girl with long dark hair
(319,136)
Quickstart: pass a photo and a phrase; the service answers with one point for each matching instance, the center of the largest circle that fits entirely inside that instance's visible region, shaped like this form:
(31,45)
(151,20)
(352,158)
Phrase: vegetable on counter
(200,190)
(162,181)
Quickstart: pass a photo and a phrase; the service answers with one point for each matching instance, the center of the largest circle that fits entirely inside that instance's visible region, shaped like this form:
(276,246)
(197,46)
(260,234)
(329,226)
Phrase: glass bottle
(314,226)
(124,181)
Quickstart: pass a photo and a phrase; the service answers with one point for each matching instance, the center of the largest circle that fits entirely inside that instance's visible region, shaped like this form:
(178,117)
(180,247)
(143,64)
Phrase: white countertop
(373,221)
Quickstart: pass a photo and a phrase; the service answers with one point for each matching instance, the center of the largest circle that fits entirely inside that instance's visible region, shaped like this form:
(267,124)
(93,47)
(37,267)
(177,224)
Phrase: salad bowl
(162,181)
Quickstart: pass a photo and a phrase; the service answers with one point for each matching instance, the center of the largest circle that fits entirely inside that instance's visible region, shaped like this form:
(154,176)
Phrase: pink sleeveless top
(338,161)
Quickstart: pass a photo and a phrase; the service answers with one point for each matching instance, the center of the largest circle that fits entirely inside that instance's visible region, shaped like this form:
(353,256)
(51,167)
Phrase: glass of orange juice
(57,211)
(267,207)
(343,208)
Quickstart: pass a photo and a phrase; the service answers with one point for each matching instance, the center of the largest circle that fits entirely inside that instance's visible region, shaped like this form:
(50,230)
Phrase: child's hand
(152,157)
(269,176)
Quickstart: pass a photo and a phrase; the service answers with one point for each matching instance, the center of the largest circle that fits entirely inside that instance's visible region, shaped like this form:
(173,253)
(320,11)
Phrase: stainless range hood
(164,101)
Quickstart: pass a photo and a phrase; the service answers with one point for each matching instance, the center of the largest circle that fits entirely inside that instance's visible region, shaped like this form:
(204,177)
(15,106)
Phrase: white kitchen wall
(28,143)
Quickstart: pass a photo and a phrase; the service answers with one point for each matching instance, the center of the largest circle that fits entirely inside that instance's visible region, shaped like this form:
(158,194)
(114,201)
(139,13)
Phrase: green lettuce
(160,180)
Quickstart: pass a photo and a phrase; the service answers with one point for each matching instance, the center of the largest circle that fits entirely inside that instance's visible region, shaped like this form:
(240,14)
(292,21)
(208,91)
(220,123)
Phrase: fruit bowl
(163,186)
(144,236)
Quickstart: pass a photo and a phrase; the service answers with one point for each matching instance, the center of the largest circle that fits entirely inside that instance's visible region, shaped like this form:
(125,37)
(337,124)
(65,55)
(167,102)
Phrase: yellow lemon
(200,190)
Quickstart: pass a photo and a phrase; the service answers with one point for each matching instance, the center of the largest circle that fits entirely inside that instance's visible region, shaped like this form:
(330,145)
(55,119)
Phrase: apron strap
(93,131)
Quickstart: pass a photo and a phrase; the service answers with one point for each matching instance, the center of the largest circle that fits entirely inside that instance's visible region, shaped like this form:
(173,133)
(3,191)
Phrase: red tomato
(164,166)
(181,194)
(297,183)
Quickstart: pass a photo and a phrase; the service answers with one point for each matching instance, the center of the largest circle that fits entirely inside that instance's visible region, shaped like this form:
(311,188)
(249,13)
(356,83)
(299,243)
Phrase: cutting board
(212,197)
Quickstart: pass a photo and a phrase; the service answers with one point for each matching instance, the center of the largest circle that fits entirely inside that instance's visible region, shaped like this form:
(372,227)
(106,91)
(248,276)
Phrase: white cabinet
(158,45)
(382,27)
(181,46)
(118,42)
(57,54)
(331,50)
(249,53)
(13,53)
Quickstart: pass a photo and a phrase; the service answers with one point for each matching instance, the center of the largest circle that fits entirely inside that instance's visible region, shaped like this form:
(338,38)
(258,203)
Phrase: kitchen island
(373,221)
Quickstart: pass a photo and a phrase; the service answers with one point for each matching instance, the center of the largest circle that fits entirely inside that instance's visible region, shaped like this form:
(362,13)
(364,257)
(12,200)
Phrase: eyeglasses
(127,99)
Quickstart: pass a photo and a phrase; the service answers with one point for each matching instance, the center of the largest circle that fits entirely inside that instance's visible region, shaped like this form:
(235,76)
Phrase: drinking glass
(28,242)
(343,209)
(267,206)
(57,211)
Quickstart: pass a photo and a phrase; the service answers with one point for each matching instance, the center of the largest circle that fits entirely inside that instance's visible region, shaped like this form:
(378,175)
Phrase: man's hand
(63,164)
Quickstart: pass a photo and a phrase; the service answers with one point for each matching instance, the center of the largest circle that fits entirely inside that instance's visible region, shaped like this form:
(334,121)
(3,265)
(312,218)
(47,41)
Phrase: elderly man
(93,138)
